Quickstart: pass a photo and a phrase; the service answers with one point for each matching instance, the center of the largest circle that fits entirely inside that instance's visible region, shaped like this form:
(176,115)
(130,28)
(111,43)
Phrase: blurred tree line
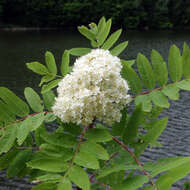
(130,14)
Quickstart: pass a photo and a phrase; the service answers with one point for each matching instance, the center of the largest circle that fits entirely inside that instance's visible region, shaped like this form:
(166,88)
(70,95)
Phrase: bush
(95,142)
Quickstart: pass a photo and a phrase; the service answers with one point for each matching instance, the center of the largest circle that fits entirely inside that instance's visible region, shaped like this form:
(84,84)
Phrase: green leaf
(49,99)
(95,149)
(50,62)
(175,64)
(118,127)
(86,32)
(5,113)
(86,160)
(132,78)
(33,99)
(133,183)
(72,129)
(184,84)
(56,152)
(186,61)
(131,130)
(45,186)
(93,28)
(8,138)
(129,63)
(38,68)
(101,24)
(159,67)
(159,99)
(165,164)
(78,176)
(31,123)
(112,39)
(172,91)
(145,70)
(79,51)
(15,104)
(145,101)
(116,168)
(102,35)
(65,62)
(165,181)
(119,48)
(59,139)
(50,117)
(50,85)
(46,78)
(98,135)
(7,158)
(151,136)
(48,164)
(18,163)
(65,185)
(50,177)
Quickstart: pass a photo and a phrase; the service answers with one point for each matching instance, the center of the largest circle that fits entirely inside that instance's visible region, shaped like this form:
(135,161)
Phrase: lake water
(18,48)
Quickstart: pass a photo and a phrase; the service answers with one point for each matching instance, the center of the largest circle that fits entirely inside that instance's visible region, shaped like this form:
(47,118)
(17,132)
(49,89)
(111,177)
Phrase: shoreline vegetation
(25,28)
(130,14)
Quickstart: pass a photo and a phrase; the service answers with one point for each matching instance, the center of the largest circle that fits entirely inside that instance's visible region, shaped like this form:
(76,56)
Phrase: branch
(136,160)
(76,152)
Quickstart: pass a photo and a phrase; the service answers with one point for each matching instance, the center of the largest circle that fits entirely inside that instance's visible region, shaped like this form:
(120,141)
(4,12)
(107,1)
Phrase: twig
(147,92)
(136,160)
(102,184)
(28,148)
(25,117)
(112,156)
(76,152)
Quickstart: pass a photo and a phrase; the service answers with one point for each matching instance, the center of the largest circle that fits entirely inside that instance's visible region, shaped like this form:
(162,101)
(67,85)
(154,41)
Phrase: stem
(160,88)
(136,160)
(147,92)
(76,152)
(25,117)
(102,184)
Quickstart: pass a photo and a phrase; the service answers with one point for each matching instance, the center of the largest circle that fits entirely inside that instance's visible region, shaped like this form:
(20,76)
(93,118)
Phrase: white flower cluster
(94,89)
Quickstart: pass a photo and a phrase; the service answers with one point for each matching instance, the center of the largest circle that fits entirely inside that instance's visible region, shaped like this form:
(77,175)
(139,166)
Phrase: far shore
(21,28)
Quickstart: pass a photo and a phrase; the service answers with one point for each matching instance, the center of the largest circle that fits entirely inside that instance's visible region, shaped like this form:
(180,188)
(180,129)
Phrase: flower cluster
(94,89)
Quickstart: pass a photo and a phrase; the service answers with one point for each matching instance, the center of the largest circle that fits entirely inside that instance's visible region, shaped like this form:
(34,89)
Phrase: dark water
(18,48)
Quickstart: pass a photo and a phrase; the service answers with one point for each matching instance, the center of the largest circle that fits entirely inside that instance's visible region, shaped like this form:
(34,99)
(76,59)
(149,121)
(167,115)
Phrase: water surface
(18,48)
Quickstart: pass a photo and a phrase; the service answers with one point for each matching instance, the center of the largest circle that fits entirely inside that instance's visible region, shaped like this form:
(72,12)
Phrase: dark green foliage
(130,14)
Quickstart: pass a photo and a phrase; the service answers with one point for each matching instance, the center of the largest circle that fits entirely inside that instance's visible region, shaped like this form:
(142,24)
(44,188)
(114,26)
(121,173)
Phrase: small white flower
(94,89)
